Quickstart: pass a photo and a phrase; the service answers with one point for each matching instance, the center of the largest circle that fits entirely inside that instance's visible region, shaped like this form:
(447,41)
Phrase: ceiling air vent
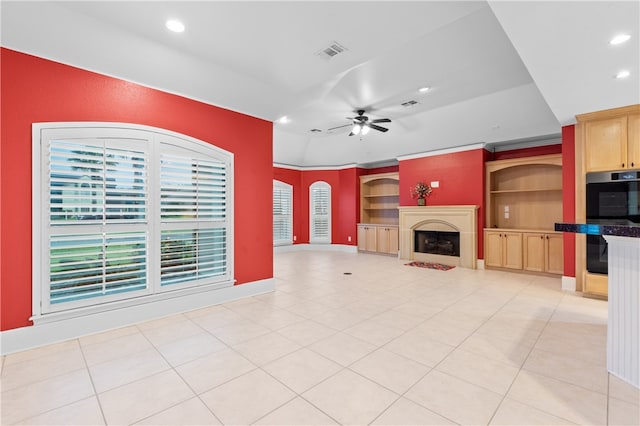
(315,130)
(332,50)
(409,103)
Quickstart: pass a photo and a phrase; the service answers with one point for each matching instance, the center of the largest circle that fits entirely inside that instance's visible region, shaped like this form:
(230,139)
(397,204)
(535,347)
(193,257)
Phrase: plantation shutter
(282,213)
(320,208)
(123,212)
(97,213)
(193,213)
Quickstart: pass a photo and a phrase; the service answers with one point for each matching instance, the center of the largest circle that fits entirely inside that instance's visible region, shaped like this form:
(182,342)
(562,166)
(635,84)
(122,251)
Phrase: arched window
(320,212)
(282,213)
(125,214)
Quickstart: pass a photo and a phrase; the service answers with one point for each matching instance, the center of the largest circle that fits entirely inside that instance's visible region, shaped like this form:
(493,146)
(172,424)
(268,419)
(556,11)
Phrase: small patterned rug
(430,265)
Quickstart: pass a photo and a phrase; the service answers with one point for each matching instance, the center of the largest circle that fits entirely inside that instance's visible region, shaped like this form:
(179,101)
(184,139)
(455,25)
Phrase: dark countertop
(599,229)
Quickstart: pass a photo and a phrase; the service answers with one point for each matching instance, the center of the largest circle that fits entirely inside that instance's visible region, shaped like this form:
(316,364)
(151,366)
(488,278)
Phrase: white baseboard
(23,338)
(568,283)
(480,264)
(316,247)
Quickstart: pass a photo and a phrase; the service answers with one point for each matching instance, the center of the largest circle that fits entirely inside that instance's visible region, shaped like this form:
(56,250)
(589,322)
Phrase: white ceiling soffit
(259,58)
(565,46)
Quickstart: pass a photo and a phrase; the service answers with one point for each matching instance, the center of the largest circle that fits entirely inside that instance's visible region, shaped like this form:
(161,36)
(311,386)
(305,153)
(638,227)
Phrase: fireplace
(441,222)
(437,242)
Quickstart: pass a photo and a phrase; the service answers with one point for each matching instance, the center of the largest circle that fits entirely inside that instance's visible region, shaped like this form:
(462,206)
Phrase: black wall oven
(613,198)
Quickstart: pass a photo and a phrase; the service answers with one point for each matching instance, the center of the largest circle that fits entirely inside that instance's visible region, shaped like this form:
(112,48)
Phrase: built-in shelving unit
(523,202)
(379,200)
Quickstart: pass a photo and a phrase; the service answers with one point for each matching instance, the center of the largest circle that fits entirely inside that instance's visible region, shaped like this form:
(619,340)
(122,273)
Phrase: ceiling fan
(362,125)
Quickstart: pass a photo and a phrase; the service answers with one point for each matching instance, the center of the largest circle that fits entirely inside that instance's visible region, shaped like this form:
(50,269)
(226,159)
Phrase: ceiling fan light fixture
(424,89)
(365,130)
(356,129)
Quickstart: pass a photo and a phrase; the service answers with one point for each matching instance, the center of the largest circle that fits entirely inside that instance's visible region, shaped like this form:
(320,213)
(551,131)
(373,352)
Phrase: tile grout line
(93,385)
(525,360)
(173,368)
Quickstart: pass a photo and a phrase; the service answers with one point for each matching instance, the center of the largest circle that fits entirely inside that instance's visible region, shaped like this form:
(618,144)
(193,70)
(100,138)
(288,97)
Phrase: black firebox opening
(437,242)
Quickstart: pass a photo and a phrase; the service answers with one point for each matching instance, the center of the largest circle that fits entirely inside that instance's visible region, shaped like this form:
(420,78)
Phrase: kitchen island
(623,326)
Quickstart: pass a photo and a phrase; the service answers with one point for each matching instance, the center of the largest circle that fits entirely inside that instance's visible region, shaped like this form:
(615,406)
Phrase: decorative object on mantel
(420,191)
(430,265)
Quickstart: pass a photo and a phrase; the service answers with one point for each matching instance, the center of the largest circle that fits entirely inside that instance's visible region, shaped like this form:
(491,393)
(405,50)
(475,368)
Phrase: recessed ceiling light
(623,74)
(424,89)
(175,26)
(620,38)
(283,119)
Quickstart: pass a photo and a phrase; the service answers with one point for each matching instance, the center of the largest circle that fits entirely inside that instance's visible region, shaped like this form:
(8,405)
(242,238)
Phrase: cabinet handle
(622,164)
(632,165)
(541,237)
(547,237)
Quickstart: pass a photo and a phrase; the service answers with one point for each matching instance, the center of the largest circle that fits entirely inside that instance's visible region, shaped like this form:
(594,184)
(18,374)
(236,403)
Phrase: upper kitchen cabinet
(611,139)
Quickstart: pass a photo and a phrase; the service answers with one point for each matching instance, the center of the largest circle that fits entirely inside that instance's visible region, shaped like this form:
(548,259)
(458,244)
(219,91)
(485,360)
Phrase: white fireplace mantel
(463,219)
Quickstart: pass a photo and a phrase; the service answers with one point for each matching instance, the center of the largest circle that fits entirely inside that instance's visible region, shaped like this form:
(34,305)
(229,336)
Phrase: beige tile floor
(387,345)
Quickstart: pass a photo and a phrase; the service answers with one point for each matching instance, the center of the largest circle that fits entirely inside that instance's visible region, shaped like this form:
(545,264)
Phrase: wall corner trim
(24,338)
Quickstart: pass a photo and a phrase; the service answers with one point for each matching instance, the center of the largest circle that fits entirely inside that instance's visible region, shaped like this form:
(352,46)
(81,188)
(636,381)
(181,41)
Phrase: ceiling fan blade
(339,127)
(381,120)
(351,134)
(379,128)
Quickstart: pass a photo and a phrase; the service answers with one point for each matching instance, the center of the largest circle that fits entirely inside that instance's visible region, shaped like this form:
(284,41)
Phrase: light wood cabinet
(612,144)
(367,238)
(378,227)
(387,239)
(596,285)
(381,239)
(503,249)
(527,250)
(606,140)
(633,141)
(523,202)
(543,252)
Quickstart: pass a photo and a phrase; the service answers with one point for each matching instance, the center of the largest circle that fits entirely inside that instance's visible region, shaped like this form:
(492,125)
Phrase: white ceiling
(499,71)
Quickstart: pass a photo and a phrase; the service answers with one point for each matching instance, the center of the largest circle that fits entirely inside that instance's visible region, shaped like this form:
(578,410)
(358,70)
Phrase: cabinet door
(534,254)
(633,143)
(596,284)
(382,240)
(394,241)
(370,238)
(493,248)
(554,254)
(512,250)
(363,237)
(606,144)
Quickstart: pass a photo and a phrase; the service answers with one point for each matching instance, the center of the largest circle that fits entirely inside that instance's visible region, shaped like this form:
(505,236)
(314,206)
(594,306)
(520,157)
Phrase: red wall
(461,177)
(528,152)
(294,178)
(344,201)
(569,197)
(38,90)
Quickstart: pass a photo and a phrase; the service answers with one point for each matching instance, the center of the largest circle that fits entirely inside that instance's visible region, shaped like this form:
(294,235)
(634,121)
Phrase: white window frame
(157,141)
(319,239)
(287,190)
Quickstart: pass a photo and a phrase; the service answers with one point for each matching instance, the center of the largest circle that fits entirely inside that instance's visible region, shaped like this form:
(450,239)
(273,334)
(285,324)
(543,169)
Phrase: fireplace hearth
(437,242)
